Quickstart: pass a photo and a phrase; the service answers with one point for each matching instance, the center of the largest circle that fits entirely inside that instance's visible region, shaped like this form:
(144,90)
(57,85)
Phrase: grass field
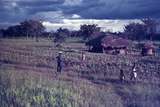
(28,77)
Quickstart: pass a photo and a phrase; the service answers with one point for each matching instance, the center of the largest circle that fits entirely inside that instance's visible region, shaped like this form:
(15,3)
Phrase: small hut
(115,45)
(148,49)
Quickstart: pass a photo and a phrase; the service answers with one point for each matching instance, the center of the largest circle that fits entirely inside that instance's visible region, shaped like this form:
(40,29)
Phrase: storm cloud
(14,11)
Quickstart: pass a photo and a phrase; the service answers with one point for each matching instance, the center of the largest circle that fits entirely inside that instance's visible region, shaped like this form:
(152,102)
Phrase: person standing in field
(122,76)
(83,56)
(59,62)
(133,74)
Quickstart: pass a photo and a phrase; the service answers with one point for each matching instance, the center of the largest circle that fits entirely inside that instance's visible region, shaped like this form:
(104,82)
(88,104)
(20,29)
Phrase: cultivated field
(28,77)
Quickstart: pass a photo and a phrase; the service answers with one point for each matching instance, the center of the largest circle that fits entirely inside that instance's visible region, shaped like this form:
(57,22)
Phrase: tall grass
(23,89)
(28,79)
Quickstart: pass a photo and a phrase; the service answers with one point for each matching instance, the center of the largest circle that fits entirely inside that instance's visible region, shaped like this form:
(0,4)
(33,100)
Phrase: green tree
(150,27)
(61,34)
(135,31)
(32,28)
(87,30)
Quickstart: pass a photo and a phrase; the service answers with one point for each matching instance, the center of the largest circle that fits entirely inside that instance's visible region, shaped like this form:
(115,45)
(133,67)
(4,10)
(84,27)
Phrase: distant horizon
(112,25)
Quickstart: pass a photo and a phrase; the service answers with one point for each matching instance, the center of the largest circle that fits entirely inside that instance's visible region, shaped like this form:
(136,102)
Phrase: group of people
(133,74)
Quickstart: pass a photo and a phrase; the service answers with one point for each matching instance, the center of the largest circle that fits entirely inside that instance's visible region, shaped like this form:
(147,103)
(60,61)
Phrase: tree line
(33,28)
(147,30)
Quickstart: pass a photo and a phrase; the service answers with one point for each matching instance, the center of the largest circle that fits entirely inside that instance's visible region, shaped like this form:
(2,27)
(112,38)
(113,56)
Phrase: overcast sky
(14,11)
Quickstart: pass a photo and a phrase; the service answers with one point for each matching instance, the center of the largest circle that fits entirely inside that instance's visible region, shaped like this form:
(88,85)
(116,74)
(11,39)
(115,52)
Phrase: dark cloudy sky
(13,11)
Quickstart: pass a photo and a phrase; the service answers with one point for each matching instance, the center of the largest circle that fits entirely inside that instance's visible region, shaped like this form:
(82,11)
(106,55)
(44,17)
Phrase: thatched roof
(149,45)
(114,41)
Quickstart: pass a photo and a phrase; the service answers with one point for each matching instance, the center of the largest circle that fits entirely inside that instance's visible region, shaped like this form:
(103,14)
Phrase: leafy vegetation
(28,78)
(146,30)
(29,89)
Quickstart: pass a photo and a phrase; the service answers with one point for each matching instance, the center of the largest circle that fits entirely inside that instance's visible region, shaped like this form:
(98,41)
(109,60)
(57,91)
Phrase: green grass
(31,89)
(38,86)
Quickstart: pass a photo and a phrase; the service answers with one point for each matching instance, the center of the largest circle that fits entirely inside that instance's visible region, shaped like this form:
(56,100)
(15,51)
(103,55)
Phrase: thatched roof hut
(115,45)
(148,49)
